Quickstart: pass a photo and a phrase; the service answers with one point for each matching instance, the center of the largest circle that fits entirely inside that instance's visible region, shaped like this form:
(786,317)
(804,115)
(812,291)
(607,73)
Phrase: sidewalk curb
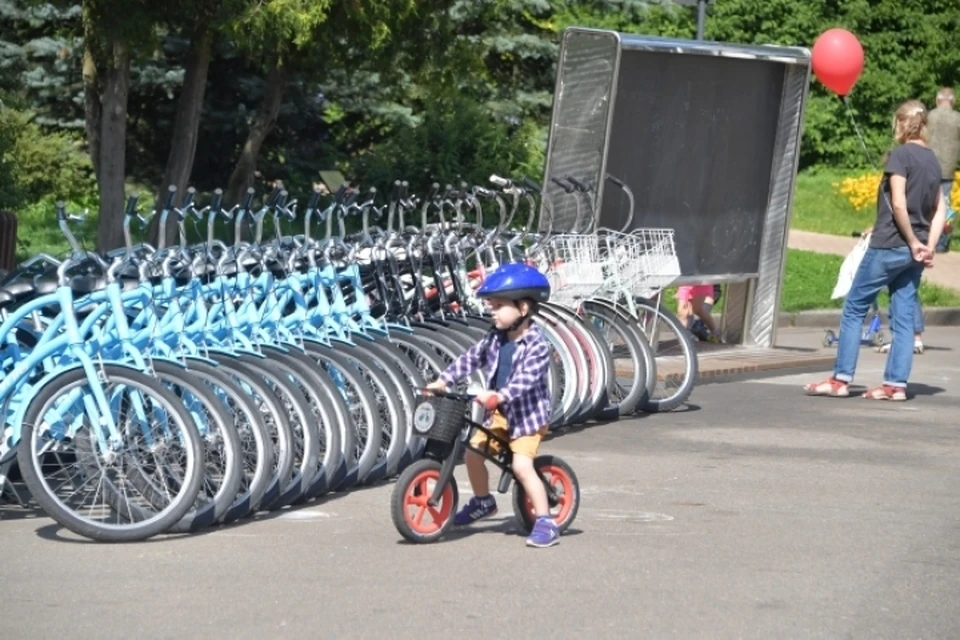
(830,318)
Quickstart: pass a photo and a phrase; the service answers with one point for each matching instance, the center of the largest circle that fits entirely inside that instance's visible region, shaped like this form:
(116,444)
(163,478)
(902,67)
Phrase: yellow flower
(861,191)
(955,192)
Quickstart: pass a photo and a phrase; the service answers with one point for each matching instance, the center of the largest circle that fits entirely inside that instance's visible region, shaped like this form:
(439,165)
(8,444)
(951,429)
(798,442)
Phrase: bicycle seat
(44,286)
(5,299)
(82,285)
(20,290)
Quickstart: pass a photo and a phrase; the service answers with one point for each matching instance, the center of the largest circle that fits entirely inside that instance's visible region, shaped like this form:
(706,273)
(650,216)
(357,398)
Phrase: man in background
(943,131)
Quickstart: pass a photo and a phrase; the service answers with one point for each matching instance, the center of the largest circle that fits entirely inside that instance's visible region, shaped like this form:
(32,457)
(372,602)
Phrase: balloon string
(856,128)
(866,152)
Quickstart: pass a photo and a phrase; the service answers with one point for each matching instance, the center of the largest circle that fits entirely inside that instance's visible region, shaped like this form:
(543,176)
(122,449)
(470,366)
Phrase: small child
(514,359)
(696,302)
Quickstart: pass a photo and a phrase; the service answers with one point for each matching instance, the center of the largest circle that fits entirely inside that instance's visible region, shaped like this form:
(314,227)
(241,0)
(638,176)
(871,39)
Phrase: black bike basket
(439,418)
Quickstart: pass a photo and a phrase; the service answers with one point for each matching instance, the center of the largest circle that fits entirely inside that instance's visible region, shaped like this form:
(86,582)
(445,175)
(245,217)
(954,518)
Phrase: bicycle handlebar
(491,404)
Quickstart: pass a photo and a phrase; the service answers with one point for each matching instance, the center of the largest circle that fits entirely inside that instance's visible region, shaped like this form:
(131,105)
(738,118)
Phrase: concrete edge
(784,364)
(716,369)
(830,318)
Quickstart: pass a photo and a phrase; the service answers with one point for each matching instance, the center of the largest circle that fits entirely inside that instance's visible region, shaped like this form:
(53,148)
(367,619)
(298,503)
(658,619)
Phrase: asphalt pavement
(754,512)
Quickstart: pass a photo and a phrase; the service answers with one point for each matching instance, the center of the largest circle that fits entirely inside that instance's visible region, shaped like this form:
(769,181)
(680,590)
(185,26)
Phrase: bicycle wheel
(367,427)
(85,471)
(388,405)
(414,518)
(675,355)
(562,483)
(222,450)
(318,390)
(635,386)
(275,419)
(255,442)
(577,396)
(407,379)
(284,382)
(564,371)
(597,363)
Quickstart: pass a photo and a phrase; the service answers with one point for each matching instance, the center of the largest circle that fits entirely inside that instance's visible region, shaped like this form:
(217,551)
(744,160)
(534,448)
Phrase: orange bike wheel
(563,481)
(414,518)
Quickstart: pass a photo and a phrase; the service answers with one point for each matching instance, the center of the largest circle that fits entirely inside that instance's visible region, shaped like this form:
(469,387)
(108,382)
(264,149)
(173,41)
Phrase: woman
(910,216)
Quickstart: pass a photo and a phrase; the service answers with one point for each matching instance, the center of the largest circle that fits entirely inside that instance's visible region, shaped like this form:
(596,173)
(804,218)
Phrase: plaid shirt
(526,404)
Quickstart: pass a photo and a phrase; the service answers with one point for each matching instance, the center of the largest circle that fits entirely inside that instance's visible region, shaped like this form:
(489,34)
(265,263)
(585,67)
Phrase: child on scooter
(514,358)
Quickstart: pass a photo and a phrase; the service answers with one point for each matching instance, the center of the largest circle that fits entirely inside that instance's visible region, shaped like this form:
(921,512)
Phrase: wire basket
(438,418)
(643,261)
(576,267)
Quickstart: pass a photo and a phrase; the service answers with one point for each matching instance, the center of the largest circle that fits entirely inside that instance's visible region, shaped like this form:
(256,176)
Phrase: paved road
(755,513)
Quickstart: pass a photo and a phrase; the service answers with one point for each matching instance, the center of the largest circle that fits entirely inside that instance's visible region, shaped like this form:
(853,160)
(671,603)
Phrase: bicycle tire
(669,401)
(223,440)
(325,423)
(275,419)
(641,357)
(305,436)
(30,465)
(366,420)
(256,443)
(393,425)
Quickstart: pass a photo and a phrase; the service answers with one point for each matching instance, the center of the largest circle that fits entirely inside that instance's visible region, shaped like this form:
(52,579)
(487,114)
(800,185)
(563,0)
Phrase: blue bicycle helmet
(516,281)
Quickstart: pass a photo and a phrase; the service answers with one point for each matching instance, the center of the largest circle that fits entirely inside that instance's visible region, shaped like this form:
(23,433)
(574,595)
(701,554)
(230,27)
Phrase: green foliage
(455,138)
(407,81)
(38,232)
(270,27)
(34,164)
(40,55)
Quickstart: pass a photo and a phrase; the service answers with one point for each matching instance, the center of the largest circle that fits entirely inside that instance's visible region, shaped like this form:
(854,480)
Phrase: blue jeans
(900,273)
(918,325)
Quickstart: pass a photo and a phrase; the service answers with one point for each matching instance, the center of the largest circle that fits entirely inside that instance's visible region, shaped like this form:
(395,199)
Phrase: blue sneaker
(545,533)
(476,509)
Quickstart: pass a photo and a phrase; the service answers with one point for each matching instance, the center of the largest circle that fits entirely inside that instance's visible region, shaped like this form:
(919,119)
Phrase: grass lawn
(818,207)
(809,279)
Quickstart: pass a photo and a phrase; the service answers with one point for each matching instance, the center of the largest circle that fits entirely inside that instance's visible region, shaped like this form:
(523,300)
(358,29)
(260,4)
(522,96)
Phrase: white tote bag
(849,267)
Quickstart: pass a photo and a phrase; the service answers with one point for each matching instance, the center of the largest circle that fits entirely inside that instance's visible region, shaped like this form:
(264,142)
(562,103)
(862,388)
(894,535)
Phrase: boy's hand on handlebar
(437,385)
(489,399)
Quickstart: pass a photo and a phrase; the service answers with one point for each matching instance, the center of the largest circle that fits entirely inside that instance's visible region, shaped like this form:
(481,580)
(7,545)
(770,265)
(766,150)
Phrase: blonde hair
(945,95)
(910,122)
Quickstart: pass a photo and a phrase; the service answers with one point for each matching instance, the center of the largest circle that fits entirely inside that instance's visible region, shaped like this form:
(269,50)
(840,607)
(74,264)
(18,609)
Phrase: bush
(35,164)
(456,139)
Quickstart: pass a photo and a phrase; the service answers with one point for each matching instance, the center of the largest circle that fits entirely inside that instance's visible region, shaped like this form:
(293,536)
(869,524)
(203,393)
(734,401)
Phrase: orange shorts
(522,446)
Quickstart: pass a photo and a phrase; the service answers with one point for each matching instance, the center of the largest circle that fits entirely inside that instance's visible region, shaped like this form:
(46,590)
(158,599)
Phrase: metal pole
(701,17)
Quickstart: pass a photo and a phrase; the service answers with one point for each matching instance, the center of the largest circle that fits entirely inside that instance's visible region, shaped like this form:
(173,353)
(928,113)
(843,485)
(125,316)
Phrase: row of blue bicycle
(170,388)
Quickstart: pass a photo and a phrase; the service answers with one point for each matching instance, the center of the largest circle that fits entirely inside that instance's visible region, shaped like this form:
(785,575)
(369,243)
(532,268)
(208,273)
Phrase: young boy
(514,359)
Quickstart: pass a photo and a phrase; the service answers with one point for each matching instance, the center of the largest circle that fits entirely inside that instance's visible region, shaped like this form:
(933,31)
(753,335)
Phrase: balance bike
(872,334)
(425,496)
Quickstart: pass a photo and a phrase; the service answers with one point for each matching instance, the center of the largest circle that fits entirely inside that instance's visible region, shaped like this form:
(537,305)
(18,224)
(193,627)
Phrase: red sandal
(831,387)
(886,392)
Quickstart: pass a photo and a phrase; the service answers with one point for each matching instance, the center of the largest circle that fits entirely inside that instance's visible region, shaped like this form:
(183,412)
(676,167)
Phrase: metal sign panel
(706,134)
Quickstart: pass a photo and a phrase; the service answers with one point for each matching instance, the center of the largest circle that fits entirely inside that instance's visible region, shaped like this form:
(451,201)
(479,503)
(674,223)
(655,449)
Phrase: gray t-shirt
(943,129)
(922,171)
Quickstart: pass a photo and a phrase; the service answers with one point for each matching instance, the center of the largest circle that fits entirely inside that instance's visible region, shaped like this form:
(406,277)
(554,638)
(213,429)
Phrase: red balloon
(837,60)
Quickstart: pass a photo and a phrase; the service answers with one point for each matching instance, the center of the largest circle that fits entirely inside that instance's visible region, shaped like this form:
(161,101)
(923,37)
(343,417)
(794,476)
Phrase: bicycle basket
(439,418)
